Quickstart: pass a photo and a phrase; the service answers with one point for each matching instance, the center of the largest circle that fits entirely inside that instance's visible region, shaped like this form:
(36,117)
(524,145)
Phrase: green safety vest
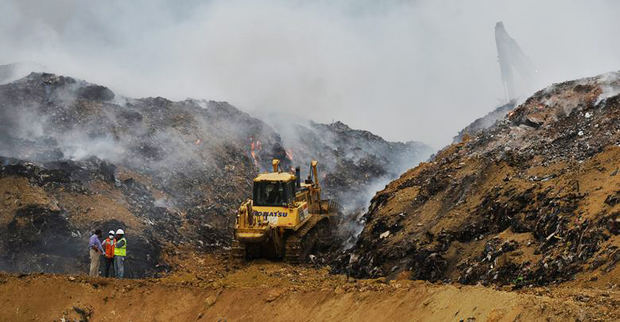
(120,251)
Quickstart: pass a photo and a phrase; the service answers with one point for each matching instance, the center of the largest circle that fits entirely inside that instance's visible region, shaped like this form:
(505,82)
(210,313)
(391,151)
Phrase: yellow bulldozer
(285,218)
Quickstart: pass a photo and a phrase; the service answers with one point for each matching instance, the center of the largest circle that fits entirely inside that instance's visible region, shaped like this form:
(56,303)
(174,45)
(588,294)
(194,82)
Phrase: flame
(197,141)
(289,154)
(255,145)
(254,158)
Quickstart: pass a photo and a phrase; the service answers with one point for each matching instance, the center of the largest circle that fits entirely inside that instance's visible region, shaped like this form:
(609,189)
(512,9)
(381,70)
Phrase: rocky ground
(532,200)
(75,156)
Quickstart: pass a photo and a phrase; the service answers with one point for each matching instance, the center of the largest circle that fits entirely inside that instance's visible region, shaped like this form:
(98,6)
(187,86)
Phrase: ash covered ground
(75,156)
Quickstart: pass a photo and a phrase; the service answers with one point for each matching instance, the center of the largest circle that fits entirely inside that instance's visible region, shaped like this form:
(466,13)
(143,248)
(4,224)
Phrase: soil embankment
(266,291)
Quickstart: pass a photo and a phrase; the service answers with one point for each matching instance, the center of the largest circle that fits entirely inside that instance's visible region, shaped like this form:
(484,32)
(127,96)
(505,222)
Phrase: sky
(405,70)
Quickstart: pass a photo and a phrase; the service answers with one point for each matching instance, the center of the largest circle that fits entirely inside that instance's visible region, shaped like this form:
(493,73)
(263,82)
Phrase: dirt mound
(532,200)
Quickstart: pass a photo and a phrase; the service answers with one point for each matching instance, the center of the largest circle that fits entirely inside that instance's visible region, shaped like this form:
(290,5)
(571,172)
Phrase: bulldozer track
(298,245)
(237,252)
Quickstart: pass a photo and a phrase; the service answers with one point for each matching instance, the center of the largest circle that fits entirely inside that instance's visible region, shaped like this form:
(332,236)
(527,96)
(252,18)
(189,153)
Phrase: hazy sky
(406,70)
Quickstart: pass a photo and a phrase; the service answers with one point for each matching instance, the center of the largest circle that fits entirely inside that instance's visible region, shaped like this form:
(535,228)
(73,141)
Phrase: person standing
(108,245)
(120,251)
(95,249)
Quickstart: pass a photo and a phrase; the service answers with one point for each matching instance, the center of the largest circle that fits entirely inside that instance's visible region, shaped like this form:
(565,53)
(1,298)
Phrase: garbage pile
(532,200)
(169,173)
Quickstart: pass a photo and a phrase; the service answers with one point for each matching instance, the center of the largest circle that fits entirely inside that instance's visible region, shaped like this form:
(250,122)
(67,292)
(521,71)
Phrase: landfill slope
(75,156)
(533,200)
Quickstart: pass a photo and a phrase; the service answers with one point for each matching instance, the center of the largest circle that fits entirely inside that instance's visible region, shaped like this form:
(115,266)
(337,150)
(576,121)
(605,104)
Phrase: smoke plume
(402,69)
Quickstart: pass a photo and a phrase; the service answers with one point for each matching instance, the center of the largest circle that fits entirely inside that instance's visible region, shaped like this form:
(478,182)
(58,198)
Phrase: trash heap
(75,156)
(531,200)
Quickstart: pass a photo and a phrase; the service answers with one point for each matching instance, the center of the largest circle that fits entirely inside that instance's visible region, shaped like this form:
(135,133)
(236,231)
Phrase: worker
(120,251)
(95,250)
(108,245)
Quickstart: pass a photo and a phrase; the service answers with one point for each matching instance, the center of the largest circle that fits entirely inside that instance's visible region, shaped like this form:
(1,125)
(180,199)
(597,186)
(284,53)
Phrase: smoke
(353,165)
(402,69)
(44,117)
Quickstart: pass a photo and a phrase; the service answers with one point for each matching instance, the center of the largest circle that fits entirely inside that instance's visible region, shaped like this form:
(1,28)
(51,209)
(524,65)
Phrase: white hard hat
(111,232)
(120,232)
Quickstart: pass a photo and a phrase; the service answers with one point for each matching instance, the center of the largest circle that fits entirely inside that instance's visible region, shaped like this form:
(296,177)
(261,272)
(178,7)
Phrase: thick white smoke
(402,69)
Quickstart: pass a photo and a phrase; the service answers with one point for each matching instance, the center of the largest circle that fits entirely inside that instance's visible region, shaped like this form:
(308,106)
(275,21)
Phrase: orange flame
(289,154)
(254,158)
(255,145)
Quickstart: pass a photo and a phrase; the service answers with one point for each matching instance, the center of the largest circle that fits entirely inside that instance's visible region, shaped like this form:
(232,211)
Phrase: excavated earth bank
(265,291)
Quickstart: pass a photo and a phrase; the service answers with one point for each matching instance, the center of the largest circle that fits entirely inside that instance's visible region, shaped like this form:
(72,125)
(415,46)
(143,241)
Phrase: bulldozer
(285,219)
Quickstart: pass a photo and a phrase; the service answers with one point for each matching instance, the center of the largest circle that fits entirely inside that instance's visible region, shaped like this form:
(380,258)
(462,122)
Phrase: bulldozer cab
(273,193)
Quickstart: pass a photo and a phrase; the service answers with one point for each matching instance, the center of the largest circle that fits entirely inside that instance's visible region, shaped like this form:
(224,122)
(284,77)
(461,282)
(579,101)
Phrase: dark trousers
(109,267)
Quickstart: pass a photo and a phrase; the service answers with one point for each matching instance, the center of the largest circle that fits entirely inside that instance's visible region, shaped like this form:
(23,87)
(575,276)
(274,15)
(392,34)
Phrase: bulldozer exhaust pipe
(298,177)
(276,164)
(314,163)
